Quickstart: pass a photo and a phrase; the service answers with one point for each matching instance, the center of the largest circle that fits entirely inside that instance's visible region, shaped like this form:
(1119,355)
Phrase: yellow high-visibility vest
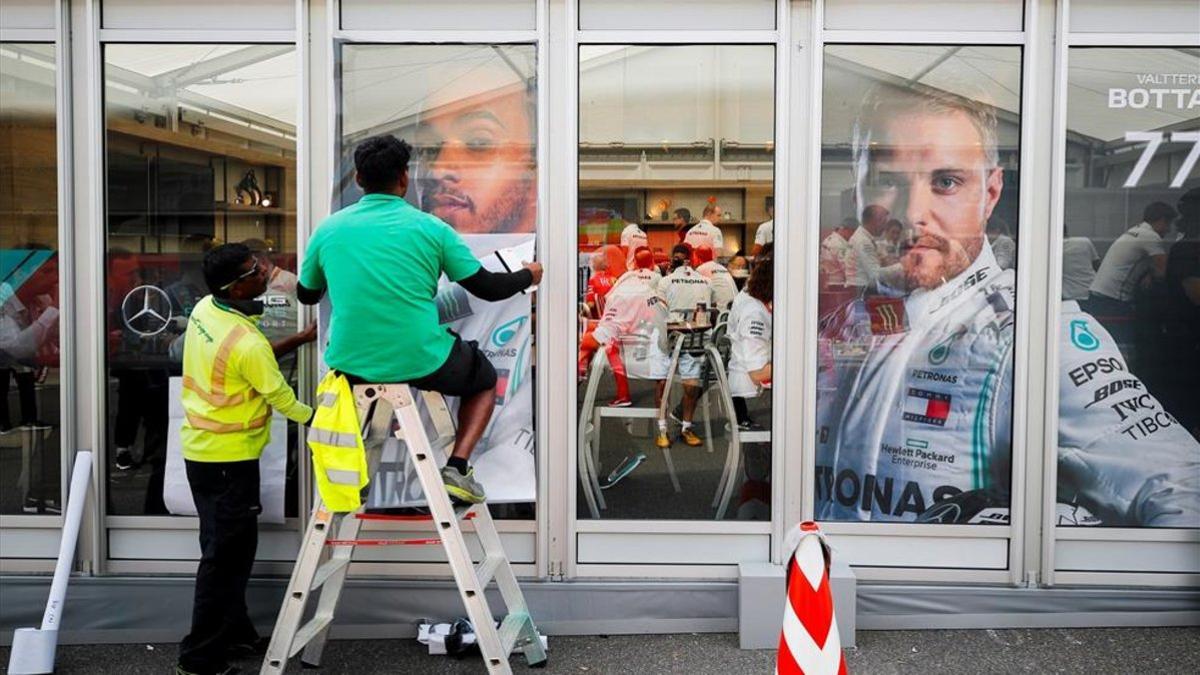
(231,382)
(339,459)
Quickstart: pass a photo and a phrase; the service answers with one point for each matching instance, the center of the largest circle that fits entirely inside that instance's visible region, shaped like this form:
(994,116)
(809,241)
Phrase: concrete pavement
(1090,651)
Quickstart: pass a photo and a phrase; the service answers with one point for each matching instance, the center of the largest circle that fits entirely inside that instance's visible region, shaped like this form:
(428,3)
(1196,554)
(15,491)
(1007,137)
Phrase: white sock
(662,426)
(686,425)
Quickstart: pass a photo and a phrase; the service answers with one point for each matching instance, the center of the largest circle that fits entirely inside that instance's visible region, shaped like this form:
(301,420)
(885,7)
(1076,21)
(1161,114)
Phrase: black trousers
(226,495)
(26,394)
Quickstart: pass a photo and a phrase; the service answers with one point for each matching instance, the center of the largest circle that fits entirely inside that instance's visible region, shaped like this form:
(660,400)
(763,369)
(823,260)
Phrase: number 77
(1154,139)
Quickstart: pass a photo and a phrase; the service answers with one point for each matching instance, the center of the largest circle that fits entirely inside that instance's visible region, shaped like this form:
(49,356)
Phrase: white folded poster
(272,466)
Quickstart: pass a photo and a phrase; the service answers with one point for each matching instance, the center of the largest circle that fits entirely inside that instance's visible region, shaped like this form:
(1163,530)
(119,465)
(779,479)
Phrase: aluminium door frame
(1142,541)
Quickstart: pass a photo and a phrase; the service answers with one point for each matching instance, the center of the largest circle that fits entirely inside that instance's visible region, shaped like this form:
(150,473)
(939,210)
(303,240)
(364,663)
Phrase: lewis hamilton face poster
(469,112)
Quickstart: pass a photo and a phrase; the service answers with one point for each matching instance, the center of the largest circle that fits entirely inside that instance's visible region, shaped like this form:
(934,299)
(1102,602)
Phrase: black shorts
(466,371)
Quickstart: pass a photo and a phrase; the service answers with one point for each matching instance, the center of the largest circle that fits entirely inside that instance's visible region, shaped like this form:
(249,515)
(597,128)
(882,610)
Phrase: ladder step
(486,570)
(327,570)
(510,631)
(308,632)
(460,511)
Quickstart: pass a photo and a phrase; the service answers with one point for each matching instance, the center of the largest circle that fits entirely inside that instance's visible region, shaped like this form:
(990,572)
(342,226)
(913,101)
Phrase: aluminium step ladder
(516,631)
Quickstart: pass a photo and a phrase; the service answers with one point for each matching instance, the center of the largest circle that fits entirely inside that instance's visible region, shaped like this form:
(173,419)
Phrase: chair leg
(671,470)
(707,422)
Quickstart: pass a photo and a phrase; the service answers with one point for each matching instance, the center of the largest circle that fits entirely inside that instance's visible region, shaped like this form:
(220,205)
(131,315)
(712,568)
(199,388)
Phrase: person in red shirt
(616,318)
(608,264)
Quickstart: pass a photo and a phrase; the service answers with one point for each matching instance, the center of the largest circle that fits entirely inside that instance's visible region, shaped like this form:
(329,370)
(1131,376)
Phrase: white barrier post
(33,648)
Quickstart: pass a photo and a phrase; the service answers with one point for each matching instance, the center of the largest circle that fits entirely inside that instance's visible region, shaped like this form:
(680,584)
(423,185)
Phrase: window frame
(877,538)
(44,531)
(1128,543)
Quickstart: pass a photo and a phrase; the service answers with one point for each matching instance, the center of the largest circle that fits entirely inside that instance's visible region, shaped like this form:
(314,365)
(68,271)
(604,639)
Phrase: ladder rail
(331,589)
(316,571)
(453,541)
(296,596)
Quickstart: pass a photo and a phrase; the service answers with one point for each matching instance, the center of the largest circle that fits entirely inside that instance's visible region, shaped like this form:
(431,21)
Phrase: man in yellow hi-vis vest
(231,383)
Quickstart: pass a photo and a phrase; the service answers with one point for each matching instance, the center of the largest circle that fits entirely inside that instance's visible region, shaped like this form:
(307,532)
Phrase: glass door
(675,229)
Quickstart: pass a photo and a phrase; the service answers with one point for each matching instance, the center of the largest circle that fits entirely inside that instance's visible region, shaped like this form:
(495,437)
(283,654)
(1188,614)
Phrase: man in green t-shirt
(381,259)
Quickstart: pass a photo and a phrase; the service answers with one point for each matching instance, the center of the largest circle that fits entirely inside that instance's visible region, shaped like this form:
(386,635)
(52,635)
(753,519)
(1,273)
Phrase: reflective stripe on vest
(221,360)
(206,424)
(217,396)
(342,477)
(338,439)
(215,399)
(327,399)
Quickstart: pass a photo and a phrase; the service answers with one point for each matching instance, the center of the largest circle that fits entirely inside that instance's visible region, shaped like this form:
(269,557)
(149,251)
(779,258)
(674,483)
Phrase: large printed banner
(469,112)
(918,287)
(1129,340)
(505,459)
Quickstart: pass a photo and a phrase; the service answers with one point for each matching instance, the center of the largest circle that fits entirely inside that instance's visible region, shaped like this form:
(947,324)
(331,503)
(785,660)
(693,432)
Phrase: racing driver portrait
(915,375)
(476,169)
(476,161)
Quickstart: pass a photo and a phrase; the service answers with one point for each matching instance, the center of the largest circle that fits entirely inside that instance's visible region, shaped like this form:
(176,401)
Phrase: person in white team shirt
(643,268)
(765,234)
(1139,252)
(633,237)
(1079,264)
(915,382)
(633,307)
(724,288)
(685,290)
(863,262)
(834,250)
(749,332)
(705,232)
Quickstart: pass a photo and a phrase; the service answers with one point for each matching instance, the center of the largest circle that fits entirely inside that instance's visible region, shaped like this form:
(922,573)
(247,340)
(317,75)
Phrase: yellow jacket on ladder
(339,459)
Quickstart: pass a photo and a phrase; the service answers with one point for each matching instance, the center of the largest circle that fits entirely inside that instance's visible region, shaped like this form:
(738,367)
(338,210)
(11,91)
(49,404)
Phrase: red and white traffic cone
(809,643)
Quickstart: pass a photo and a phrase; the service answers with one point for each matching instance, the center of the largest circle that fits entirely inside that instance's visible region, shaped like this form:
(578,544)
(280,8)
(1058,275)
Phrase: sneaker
(691,438)
(32,505)
(124,460)
(623,469)
(662,440)
(463,488)
(621,402)
(749,425)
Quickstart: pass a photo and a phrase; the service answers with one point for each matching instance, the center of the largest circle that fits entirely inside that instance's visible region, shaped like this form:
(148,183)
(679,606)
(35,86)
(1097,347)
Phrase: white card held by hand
(511,259)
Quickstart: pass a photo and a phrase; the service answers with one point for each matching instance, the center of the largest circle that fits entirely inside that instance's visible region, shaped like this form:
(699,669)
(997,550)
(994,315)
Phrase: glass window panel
(443,15)
(200,150)
(918,222)
(470,113)
(1129,336)
(230,15)
(676,146)
(27,14)
(976,15)
(1118,16)
(30,418)
(658,15)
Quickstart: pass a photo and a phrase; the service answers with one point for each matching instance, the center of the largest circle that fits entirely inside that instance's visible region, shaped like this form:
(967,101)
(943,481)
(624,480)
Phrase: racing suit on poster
(914,414)
(505,458)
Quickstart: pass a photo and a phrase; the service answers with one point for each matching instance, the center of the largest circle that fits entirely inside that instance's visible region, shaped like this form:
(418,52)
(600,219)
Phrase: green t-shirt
(381,259)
